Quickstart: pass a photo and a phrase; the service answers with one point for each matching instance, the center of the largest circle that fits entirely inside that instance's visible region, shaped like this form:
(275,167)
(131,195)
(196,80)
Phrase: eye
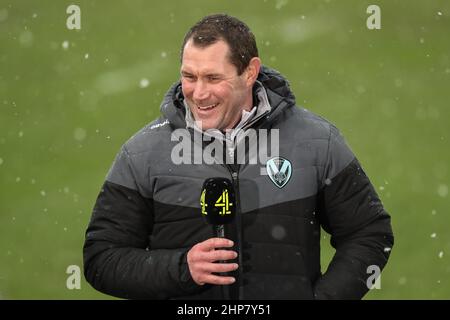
(213,78)
(189,77)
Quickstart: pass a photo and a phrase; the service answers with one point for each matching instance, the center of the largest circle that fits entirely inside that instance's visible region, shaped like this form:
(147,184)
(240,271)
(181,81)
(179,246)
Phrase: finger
(217,255)
(213,243)
(219,267)
(220,280)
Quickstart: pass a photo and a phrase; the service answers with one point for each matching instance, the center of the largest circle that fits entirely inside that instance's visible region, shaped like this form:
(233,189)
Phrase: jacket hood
(277,88)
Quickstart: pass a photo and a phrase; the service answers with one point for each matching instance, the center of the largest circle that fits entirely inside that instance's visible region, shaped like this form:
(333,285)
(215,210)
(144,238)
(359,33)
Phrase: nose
(200,91)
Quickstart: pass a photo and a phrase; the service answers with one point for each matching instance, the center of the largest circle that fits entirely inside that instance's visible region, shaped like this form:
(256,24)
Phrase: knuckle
(191,256)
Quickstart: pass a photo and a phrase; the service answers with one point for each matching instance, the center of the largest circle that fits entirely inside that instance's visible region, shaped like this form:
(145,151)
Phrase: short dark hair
(233,31)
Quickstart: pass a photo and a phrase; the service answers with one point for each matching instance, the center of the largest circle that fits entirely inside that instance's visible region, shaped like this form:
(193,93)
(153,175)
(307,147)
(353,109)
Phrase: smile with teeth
(208,107)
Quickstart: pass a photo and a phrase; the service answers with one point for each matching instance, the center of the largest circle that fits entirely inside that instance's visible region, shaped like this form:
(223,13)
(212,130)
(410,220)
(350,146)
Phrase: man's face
(211,86)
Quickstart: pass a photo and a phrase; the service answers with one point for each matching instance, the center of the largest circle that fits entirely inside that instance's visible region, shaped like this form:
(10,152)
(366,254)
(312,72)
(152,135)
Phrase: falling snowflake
(144,83)
(65,45)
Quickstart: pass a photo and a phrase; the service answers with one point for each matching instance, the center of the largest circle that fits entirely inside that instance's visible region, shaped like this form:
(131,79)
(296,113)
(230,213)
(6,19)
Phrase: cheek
(225,94)
(187,89)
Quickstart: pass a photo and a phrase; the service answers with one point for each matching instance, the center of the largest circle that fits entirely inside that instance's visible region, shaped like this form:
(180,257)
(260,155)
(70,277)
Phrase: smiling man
(146,237)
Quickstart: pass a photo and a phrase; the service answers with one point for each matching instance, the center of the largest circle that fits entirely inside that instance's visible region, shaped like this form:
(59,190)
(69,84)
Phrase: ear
(252,71)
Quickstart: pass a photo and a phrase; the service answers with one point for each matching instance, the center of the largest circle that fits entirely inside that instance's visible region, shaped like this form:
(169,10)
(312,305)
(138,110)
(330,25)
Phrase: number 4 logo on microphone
(224,202)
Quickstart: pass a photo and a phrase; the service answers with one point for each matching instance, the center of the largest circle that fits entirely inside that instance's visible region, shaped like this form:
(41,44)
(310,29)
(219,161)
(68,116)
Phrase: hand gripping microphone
(218,204)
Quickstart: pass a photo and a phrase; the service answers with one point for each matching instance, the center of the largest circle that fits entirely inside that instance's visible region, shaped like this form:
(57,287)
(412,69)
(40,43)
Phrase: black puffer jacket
(147,214)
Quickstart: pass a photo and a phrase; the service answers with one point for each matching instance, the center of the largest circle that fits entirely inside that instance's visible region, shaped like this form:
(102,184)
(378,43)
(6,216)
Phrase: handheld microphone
(218,204)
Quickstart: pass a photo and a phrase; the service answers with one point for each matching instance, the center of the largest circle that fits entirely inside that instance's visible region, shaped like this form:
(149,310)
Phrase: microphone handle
(220,231)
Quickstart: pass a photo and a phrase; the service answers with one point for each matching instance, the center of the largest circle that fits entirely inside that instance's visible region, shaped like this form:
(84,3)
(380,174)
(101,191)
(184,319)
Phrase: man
(147,239)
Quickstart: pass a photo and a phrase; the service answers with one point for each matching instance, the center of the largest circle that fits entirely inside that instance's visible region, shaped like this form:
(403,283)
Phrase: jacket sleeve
(351,211)
(118,259)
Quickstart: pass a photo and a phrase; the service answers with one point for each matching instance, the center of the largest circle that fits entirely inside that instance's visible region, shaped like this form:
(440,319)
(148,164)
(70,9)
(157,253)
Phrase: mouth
(207,107)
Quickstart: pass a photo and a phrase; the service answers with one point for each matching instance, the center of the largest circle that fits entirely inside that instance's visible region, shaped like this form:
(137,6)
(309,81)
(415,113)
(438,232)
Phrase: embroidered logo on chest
(279,171)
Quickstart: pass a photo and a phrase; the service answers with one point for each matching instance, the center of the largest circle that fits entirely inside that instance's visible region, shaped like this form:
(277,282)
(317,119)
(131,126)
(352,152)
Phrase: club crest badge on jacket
(279,171)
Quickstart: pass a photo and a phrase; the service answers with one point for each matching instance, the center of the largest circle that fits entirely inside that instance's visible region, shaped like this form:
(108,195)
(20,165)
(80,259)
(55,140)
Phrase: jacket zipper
(235,179)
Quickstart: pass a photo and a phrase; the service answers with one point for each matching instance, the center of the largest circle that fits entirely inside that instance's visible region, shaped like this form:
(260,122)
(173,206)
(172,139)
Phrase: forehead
(213,58)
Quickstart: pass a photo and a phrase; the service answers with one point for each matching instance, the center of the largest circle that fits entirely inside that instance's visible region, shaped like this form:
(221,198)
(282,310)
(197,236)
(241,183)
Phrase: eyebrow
(207,74)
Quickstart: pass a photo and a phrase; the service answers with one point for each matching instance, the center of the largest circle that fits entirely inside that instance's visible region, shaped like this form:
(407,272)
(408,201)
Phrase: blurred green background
(70,98)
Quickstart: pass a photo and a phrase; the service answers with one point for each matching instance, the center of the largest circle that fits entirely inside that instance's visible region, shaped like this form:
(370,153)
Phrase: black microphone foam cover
(217,201)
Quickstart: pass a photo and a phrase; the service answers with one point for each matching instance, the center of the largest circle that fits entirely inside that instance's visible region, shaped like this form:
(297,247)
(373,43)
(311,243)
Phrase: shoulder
(149,137)
(305,124)
(321,138)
